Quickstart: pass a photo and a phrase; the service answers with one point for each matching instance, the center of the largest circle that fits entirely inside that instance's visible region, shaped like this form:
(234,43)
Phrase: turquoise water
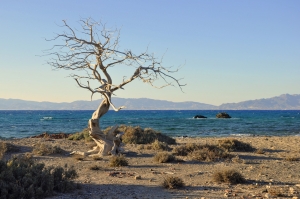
(20,124)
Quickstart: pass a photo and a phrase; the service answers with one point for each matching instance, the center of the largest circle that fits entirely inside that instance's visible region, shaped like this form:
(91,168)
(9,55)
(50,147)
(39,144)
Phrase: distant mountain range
(282,102)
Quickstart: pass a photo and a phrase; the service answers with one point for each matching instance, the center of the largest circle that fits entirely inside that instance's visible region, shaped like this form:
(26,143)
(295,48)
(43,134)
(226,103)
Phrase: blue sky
(231,51)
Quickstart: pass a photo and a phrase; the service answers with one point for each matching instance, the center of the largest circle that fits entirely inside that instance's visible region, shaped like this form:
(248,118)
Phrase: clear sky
(231,50)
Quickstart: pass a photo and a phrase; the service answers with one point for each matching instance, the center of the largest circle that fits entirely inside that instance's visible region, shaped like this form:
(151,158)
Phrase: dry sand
(268,171)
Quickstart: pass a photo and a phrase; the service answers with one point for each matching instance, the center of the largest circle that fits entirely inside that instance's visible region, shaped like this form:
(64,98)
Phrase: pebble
(137,177)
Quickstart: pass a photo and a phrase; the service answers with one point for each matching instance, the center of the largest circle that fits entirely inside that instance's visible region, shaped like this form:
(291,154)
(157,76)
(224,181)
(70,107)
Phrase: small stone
(137,177)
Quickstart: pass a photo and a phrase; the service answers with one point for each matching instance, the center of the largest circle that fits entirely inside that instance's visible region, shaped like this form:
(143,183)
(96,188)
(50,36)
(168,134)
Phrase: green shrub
(21,177)
(46,149)
(118,161)
(235,145)
(171,182)
(137,135)
(228,176)
(83,135)
(163,157)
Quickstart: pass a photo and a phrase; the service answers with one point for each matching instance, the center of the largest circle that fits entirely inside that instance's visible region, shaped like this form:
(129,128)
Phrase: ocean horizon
(175,123)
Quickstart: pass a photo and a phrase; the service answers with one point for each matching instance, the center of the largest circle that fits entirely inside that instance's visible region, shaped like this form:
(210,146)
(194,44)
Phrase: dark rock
(223,115)
(199,116)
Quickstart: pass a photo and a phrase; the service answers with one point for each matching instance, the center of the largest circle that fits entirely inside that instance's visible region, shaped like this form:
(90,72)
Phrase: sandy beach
(272,171)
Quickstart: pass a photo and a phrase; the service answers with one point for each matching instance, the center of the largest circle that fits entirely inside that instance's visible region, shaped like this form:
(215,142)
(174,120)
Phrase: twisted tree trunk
(107,144)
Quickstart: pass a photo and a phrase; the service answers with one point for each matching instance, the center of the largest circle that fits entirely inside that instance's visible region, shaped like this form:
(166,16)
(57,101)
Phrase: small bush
(171,182)
(118,161)
(83,135)
(137,135)
(228,176)
(7,147)
(184,150)
(159,146)
(209,153)
(21,177)
(46,149)
(235,145)
(163,157)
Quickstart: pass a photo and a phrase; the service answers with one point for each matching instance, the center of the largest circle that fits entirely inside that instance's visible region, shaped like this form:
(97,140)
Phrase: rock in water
(223,115)
(199,116)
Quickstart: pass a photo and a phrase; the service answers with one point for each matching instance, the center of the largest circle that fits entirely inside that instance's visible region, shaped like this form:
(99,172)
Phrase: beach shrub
(184,150)
(209,153)
(137,135)
(171,182)
(159,146)
(7,147)
(83,135)
(235,145)
(118,161)
(228,176)
(21,177)
(163,157)
(46,149)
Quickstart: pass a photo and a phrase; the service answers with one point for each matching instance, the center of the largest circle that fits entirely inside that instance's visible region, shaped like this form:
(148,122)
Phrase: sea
(175,123)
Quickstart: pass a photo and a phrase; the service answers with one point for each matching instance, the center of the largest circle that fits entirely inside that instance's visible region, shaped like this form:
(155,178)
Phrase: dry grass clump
(260,151)
(46,149)
(7,147)
(228,176)
(95,168)
(291,158)
(209,153)
(137,135)
(83,135)
(163,157)
(21,177)
(159,146)
(184,150)
(171,182)
(235,145)
(276,192)
(118,161)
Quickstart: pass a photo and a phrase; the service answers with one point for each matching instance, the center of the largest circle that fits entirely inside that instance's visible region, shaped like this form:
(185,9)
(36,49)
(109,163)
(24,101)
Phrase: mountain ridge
(282,102)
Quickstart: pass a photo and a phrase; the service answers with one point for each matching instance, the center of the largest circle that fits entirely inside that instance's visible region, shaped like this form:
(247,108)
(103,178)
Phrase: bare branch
(94,49)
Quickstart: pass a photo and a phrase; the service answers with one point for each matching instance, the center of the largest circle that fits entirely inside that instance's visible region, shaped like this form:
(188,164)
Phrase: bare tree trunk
(107,144)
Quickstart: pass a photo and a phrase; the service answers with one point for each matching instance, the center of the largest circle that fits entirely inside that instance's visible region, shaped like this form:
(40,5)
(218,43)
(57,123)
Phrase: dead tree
(90,52)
